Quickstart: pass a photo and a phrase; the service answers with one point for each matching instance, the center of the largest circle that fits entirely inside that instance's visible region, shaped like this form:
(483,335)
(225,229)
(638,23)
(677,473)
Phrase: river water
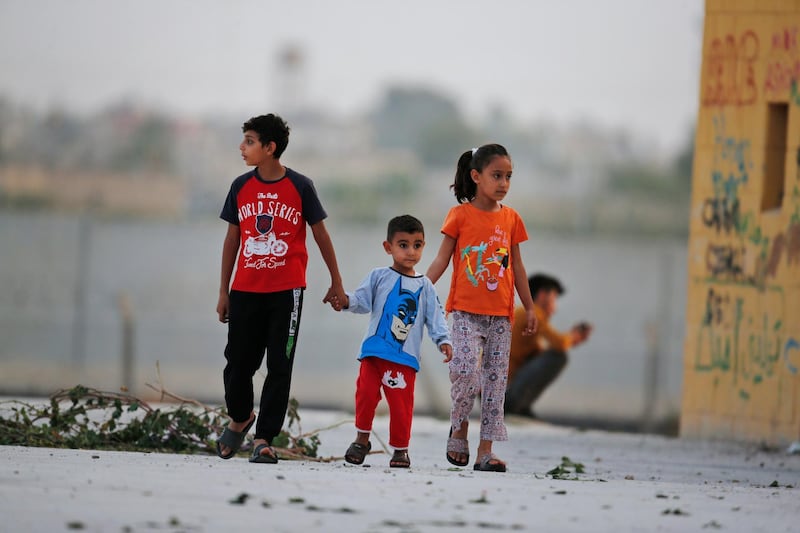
(62,277)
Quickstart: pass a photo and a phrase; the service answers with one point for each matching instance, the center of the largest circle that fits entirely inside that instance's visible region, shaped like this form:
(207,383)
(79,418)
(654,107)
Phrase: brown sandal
(400,459)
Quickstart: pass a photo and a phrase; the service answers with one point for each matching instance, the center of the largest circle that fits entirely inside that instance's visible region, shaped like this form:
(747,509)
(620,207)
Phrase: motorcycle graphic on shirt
(266,243)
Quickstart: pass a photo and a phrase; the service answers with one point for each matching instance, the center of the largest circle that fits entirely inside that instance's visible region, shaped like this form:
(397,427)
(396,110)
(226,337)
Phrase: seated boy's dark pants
(260,322)
(531,379)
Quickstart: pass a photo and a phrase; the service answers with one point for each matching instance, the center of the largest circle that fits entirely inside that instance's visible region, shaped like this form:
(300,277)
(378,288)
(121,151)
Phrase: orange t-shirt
(483,280)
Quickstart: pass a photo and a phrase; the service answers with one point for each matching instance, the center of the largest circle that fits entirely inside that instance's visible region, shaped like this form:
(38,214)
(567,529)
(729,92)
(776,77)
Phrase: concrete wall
(742,346)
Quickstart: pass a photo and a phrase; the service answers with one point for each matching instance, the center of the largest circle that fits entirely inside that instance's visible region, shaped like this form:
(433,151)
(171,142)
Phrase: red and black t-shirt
(272,219)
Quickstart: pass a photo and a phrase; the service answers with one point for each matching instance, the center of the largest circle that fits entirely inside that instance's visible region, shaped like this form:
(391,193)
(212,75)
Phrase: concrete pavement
(631,482)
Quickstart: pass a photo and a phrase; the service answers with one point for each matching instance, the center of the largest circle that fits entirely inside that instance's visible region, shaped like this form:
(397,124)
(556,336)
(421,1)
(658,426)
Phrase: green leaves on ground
(567,469)
(86,418)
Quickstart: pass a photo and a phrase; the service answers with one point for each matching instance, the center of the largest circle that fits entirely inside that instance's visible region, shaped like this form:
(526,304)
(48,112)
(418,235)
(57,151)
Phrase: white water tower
(289,81)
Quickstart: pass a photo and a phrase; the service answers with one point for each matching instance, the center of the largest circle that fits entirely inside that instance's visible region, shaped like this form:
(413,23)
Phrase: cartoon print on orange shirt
(474,275)
(500,257)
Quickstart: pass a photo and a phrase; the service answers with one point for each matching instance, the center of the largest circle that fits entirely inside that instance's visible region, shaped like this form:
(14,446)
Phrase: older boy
(267,210)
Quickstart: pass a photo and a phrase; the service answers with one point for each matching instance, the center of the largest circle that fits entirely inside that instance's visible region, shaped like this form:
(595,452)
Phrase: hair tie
(473,151)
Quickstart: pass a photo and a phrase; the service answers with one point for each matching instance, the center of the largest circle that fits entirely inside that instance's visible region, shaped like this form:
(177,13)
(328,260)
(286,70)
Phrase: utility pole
(127,349)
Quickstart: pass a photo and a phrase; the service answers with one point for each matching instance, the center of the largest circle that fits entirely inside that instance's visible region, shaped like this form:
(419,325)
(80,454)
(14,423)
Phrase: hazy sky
(632,63)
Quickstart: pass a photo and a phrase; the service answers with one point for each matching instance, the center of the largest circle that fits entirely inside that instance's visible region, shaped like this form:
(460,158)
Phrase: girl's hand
(532,323)
(447,350)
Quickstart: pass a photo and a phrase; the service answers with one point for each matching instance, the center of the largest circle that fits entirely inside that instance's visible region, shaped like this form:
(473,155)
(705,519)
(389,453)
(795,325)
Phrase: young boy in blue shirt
(401,301)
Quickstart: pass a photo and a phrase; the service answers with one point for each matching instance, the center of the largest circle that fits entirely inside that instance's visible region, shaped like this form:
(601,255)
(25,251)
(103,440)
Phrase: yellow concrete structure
(742,347)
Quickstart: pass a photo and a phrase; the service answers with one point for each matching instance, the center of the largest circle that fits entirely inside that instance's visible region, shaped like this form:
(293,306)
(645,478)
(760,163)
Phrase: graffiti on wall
(726,262)
(789,356)
(750,347)
(745,262)
(730,78)
(741,252)
(755,258)
(730,64)
(721,213)
(783,64)
(751,344)
(732,165)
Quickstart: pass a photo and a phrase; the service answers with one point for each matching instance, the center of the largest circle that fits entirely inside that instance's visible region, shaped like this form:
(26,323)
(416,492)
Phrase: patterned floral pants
(481,346)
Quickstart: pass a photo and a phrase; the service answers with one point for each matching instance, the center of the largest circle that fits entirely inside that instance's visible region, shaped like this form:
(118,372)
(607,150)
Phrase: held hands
(337,303)
(447,350)
(337,298)
(531,323)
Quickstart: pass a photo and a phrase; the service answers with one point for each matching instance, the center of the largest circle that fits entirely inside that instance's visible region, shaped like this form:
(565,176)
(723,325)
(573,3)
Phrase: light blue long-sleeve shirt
(400,306)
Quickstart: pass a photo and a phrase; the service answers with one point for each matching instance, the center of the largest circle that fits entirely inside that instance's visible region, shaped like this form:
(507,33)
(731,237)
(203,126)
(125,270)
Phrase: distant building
(742,346)
(119,161)
(138,194)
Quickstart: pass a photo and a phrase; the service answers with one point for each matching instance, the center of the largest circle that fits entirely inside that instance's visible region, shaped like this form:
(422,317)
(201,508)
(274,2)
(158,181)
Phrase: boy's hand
(532,323)
(336,297)
(223,305)
(447,350)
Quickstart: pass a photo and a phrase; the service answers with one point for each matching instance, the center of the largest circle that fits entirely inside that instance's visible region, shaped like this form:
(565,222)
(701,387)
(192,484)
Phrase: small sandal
(459,446)
(486,465)
(356,453)
(266,458)
(400,459)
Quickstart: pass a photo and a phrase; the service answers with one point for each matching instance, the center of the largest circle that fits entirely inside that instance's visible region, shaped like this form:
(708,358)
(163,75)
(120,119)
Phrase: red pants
(397,382)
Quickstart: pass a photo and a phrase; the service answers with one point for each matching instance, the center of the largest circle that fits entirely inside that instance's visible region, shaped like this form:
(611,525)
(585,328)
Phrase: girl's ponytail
(463,186)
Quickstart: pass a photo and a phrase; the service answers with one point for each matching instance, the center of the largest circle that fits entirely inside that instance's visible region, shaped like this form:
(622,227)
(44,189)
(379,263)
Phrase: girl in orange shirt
(482,237)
